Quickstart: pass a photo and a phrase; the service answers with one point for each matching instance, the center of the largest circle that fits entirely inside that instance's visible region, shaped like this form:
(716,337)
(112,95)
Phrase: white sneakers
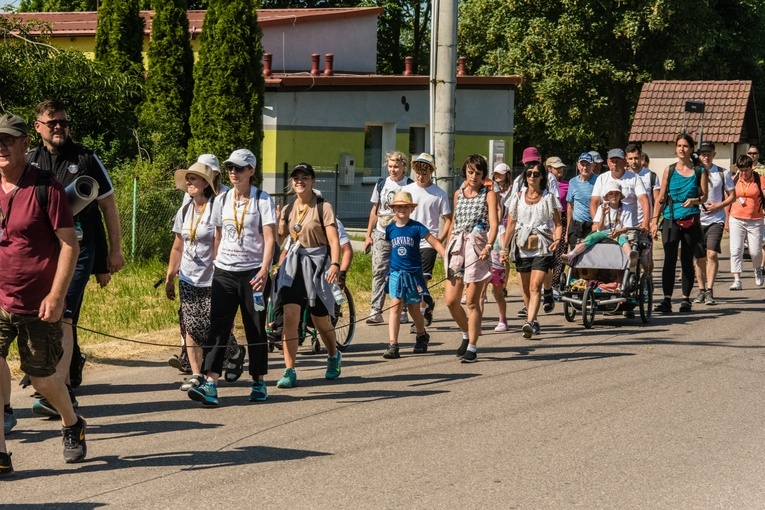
(758,279)
(736,285)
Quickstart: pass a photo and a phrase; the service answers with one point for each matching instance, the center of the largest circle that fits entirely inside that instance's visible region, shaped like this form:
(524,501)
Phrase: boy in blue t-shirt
(406,281)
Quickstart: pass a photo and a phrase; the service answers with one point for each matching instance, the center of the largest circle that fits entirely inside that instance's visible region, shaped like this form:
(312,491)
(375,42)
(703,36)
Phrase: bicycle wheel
(345,321)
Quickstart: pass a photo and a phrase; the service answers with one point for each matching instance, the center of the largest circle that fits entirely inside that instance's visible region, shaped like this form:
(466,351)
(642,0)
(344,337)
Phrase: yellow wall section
(465,145)
(319,148)
(87,45)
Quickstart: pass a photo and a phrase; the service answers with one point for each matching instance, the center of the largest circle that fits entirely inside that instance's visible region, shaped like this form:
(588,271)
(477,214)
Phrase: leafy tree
(226,112)
(99,99)
(119,36)
(163,117)
(403,31)
(584,61)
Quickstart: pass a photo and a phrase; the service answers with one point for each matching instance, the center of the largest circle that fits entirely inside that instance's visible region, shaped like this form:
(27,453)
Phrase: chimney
(328,62)
(408,66)
(461,64)
(315,64)
(267,64)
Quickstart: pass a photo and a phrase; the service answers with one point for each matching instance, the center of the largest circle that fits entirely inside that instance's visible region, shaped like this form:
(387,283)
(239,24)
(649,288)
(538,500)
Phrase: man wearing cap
(67,161)
(433,204)
(632,187)
(578,199)
(38,252)
(720,195)
(597,160)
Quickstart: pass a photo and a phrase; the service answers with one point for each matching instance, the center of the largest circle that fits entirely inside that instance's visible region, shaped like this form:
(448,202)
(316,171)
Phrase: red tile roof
(70,24)
(729,115)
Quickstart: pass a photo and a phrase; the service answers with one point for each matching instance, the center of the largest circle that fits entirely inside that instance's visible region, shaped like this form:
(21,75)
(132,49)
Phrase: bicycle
(344,323)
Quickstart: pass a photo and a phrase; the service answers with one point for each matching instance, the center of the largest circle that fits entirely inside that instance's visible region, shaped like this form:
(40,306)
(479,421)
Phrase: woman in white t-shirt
(191,258)
(245,228)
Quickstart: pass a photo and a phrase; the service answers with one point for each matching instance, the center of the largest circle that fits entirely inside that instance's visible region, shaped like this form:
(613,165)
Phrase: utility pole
(443,79)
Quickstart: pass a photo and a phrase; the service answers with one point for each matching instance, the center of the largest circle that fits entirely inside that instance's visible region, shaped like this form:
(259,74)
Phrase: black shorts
(529,264)
(296,295)
(428,256)
(711,240)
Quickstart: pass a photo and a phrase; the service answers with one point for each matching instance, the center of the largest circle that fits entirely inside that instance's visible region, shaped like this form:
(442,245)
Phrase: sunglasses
(234,168)
(752,153)
(536,175)
(8,141)
(56,122)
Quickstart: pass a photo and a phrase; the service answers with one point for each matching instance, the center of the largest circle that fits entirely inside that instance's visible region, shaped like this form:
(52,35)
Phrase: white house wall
(347,39)
(478,111)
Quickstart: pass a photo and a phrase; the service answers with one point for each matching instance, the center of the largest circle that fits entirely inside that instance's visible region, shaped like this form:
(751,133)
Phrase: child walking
(406,281)
(611,222)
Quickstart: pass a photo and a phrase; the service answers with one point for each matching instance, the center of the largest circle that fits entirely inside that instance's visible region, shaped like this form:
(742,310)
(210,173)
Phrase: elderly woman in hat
(191,259)
(310,267)
(245,226)
(234,353)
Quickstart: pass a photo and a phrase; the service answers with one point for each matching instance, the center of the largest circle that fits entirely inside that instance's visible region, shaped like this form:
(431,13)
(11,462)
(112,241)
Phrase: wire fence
(147,211)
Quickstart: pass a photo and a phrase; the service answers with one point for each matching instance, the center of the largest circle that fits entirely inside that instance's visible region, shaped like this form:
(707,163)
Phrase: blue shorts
(410,291)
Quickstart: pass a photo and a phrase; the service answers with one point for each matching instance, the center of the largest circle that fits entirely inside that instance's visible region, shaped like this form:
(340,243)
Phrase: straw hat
(402,198)
(200,169)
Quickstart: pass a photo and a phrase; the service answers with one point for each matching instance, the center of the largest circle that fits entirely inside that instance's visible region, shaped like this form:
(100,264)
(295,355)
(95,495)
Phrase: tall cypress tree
(226,112)
(164,116)
(119,36)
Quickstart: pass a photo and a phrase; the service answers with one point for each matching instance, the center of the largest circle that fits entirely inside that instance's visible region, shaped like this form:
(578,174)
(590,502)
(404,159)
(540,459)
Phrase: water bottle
(257,301)
(78,231)
(337,292)
(478,228)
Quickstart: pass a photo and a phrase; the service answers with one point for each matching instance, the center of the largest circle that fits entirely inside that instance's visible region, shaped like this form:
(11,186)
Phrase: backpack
(41,189)
(380,185)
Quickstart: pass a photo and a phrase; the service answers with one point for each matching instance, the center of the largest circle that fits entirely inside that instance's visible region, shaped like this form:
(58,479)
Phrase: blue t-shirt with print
(579,194)
(405,245)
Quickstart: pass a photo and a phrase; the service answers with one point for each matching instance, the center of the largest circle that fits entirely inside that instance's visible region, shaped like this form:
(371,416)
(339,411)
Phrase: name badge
(742,200)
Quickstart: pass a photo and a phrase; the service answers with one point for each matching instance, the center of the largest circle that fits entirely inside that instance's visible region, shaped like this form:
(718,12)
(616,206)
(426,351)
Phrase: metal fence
(147,211)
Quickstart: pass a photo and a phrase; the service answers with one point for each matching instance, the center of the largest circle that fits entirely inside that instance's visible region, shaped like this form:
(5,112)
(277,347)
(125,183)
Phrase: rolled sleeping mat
(81,192)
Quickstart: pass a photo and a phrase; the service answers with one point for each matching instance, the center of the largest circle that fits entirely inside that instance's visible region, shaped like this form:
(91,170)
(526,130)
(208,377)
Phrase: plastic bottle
(78,230)
(257,301)
(337,292)
(478,227)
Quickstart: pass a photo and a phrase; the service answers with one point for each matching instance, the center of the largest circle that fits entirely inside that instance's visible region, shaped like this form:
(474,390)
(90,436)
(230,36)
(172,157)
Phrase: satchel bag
(531,244)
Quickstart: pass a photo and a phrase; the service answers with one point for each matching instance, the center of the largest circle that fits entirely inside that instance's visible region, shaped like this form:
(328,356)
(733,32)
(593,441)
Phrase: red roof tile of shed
(69,24)
(729,115)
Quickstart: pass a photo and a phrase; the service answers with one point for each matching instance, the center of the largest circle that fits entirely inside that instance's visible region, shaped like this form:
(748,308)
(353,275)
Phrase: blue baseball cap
(585,156)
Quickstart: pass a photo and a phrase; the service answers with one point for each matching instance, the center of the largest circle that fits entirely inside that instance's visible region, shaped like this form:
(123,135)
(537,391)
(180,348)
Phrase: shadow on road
(187,461)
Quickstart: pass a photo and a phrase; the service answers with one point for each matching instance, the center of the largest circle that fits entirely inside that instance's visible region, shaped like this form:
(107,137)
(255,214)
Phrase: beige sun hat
(614,187)
(402,198)
(200,169)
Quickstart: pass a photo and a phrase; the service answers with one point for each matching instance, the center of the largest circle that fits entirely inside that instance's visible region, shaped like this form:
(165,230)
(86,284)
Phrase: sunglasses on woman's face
(234,168)
(535,175)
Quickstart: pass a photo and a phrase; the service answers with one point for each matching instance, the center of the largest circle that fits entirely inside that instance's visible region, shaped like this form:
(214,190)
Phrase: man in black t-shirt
(67,161)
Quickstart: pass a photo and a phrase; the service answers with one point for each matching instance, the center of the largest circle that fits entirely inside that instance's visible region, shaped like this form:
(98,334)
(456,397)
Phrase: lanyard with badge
(5,216)
(239,225)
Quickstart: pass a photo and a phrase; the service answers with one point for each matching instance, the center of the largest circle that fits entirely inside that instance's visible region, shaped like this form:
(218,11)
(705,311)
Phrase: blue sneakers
(259,391)
(207,394)
(288,380)
(9,421)
(333,366)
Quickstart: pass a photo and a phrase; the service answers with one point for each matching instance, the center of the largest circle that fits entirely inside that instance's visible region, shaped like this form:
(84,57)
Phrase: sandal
(234,366)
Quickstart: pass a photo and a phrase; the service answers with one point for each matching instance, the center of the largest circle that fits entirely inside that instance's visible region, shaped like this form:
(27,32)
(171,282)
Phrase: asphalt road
(668,415)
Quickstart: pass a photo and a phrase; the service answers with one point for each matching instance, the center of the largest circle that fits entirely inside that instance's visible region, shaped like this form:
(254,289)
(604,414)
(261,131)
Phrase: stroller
(600,280)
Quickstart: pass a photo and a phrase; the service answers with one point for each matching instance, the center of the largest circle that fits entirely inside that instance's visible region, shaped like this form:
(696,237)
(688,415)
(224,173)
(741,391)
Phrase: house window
(416,140)
(373,146)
